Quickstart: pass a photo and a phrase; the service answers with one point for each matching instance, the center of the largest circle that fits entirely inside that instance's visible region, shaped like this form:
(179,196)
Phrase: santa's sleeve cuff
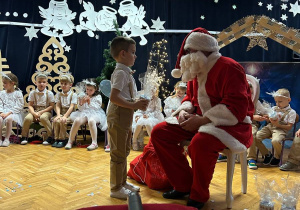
(187,106)
(220,115)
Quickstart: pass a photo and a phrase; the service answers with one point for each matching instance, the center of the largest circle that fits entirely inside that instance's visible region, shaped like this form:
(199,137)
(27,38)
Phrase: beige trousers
(44,119)
(60,129)
(252,149)
(294,156)
(270,131)
(119,120)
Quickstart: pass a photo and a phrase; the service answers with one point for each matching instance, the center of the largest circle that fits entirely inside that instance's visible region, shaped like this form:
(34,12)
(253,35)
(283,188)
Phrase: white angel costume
(92,110)
(154,116)
(171,104)
(12,102)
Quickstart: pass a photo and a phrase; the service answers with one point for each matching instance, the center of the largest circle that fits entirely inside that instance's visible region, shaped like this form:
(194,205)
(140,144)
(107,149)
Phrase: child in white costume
(90,111)
(11,105)
(149,118)
(174,101)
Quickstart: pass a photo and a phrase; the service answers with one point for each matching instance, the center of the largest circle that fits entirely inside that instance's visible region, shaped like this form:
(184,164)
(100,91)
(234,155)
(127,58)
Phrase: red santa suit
(219,92)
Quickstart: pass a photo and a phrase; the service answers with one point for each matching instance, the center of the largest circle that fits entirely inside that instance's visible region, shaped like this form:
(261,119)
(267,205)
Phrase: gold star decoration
(257,40)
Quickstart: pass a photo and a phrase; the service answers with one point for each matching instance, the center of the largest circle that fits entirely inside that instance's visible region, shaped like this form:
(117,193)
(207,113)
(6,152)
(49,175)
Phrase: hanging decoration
(262,27)
(158,24)
(135,20)
(58,20)
(31,32)
(92,21)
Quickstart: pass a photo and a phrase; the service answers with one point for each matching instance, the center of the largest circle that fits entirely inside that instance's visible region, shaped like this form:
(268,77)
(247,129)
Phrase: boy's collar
(40,91)
(124,67)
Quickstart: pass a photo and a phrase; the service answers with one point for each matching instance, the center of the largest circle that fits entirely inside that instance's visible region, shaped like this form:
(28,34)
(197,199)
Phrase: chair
(288,138)
(294,130)
(230,169)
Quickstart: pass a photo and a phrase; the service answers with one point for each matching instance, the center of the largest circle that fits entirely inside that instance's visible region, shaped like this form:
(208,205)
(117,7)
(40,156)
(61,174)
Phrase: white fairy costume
(12,102)
(171,104)
(92,110)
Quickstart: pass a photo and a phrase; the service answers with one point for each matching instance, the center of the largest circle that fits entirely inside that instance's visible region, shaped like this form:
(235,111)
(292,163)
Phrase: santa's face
(192,64)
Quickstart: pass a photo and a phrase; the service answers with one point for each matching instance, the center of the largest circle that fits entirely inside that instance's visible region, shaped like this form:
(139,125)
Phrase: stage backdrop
(26,25)
(274,76)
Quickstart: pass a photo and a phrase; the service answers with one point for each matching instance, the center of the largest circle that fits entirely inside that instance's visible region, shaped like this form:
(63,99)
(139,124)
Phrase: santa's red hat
(197,39)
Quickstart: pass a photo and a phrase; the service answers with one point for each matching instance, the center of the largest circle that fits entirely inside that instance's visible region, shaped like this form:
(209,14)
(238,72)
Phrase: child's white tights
(80,121)
(9,121)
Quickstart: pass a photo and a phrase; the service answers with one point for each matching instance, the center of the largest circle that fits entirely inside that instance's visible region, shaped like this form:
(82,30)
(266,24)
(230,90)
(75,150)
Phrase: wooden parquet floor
(43,177)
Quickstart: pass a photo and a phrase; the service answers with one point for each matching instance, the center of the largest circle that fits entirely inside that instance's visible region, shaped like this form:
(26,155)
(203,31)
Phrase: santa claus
(215,114)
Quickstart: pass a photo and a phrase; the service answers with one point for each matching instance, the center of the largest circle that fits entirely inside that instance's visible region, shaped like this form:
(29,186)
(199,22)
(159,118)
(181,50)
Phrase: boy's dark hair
(97,92)
(120,43)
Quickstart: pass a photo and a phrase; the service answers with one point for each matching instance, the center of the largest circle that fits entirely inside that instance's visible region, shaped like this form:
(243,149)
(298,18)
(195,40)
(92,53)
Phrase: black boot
(173,194)
(196,204)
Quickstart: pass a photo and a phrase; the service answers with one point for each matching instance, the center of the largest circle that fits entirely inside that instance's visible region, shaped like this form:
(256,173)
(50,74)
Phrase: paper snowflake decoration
(269,6)
(67,48)
(158,24)
(202,17)
(31,32)
(260,3)
(284,17)
(295,8)
(234,7)
(112,1)
(284,6)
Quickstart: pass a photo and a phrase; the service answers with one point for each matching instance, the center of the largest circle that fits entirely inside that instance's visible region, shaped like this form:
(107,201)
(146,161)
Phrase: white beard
(193,64)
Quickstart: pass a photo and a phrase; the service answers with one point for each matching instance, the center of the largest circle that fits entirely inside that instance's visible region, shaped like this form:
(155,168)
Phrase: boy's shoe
(48,141)
(69,145)
(55,144)
(5,143)
(274,162)
(131,187)
(288,166)
(1,143)
(93,146)
(61,144)
(268,159)
(135,146)
(24,140)
(107,148)
(252,164)
(222,158)
(121,194)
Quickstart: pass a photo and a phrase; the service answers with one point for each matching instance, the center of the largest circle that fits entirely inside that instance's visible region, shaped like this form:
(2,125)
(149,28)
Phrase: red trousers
(203,151)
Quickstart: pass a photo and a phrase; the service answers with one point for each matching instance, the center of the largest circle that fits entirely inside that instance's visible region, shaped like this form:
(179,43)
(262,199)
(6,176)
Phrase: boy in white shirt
(40,104)
(65,105)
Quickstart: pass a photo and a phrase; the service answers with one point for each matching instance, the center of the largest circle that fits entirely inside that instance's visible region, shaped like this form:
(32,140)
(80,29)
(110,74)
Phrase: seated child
(90,112)
(293,161)
(149,118)
(40,104)
(277,128)
(65,105)
(11,106)
(174,101)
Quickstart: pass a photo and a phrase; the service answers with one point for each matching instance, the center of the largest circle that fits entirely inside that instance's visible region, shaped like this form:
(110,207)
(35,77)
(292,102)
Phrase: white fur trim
(232,143)
(187,106)
(247,120)
(172,120)
(220,115)
(176,73)
(201,41)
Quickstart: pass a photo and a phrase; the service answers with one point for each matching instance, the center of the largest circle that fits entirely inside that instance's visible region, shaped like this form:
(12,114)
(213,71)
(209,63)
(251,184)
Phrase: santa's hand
(193,122)
(182,116)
